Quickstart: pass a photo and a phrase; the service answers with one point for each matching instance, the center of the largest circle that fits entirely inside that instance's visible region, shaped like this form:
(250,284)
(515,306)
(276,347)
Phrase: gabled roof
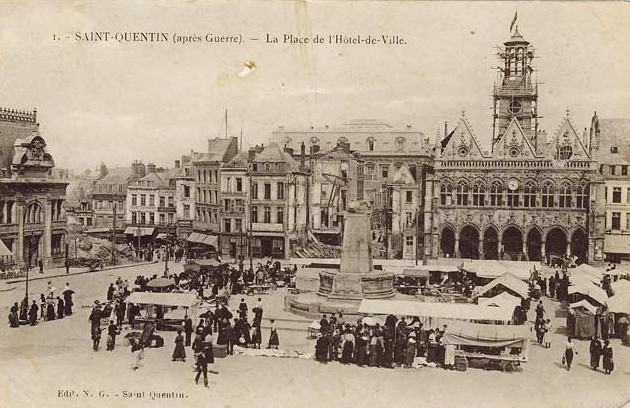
(224,148)
(238,161)
(272,153)
(117,175)
(513,144)
(566,136)
(461,143)
(614,132)
(403,176)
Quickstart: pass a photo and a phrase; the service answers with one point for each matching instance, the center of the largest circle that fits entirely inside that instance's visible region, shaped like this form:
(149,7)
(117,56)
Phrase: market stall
(504,283)
(488,346)
(490,269)
(167,310)
(435,315)
(585,290)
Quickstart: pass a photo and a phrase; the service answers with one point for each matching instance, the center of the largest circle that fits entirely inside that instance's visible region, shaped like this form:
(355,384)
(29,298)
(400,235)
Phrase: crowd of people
(50,307)
(395,344)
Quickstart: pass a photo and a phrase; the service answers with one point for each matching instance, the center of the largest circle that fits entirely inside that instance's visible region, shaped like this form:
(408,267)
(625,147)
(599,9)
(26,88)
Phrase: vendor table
(258,290)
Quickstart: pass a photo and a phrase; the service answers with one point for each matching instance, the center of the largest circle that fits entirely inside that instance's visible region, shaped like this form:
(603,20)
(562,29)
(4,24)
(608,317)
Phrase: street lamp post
(166,254)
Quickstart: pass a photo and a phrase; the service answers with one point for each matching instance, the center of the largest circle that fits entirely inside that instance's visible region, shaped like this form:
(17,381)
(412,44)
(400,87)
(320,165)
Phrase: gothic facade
(529,196)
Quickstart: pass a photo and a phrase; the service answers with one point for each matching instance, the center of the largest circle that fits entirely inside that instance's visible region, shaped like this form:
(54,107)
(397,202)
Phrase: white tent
(503,299)
(594,292)
(509,281)
(590,270)
(585,304)
(493,269)
(581,277)
(619,303)
(621,286)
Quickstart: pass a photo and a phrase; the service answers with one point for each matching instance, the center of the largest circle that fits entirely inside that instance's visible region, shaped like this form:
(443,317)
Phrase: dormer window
(400,143)
(614,149)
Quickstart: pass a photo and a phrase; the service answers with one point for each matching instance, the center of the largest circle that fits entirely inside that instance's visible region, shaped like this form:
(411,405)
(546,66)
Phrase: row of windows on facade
(110,188)
(204,215)
(265,216)
(108,205)
(616,195)
(548,197)
(616,221)
(617,170)
(149,218)
(151,203)
(33,213)
(280,186)
(369,142)
(205,176)
(271,167)
(207,196)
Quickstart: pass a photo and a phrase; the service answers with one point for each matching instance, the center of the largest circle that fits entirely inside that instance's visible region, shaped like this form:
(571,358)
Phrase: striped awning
(143,231)
(211,240)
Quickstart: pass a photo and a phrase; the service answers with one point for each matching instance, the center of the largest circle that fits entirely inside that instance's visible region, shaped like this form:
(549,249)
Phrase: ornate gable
(461,143)
(513,144)
(566,145)
(403,176)
(31,158)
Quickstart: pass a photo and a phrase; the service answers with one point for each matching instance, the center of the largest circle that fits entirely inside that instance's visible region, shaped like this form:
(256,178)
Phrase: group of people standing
(605,352)
(49,308)
(394,344)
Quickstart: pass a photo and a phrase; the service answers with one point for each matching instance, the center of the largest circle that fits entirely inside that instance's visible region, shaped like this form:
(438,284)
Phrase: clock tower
(515,93)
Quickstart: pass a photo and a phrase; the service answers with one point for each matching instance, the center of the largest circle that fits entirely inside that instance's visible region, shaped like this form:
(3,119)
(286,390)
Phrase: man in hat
(95,316)
(32,313)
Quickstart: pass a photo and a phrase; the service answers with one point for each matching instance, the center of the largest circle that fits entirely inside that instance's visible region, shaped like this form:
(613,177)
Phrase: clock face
(512,184)
(515,107)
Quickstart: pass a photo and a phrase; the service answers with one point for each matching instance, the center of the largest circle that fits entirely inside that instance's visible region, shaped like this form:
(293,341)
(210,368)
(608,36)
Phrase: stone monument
(342,290)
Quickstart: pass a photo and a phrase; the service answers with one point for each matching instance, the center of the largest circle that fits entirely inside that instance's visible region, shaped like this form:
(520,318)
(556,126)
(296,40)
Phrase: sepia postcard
(314,204)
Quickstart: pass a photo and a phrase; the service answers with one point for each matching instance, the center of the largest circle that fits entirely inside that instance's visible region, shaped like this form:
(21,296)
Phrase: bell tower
(515,93)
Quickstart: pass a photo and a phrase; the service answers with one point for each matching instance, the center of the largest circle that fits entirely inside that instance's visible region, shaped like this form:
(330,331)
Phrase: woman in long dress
(596,350)
(607,360)
(274,341)
(347,347)
(410,350)
(546,340)
(180,351)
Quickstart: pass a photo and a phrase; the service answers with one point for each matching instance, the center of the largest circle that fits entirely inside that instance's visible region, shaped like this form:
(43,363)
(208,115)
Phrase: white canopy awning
(493,269)
(143,231)
(619,303)
(165,299)
(502,299)
(454,311)
(585,304)
(594,292)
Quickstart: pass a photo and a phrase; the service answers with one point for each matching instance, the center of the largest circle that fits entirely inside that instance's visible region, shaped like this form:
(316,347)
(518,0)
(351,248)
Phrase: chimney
(445,129)
(251,154)
(302,155)
(177,164)
(150,168)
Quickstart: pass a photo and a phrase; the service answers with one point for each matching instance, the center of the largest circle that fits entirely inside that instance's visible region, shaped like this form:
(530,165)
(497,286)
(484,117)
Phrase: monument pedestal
(343,290)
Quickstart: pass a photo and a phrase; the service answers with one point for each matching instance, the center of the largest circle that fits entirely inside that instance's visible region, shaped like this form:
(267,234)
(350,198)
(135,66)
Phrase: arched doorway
(579,245)
(512,242)
(469,243)
(556,242)
(534,245)
(447,242)
(491,244)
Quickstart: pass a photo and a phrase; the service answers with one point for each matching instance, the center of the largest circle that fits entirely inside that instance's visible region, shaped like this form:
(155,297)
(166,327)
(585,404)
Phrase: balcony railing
(166,209)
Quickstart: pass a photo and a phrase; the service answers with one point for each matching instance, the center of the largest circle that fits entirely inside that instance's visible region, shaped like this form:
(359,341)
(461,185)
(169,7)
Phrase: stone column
(18,208)
(543,248)
(481,249)
(457,245)
(499,255)
(47,252)
(525,249)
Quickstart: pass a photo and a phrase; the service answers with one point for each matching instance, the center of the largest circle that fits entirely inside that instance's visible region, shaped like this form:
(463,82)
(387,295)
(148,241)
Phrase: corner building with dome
(530,195)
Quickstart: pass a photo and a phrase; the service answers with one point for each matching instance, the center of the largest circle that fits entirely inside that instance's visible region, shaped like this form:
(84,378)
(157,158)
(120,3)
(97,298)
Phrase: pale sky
(117,102)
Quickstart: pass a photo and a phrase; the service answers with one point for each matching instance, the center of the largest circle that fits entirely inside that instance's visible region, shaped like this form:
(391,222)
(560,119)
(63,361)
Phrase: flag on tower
(513,21)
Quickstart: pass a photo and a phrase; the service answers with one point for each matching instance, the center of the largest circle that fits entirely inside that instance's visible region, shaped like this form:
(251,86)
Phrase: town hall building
(527,198)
